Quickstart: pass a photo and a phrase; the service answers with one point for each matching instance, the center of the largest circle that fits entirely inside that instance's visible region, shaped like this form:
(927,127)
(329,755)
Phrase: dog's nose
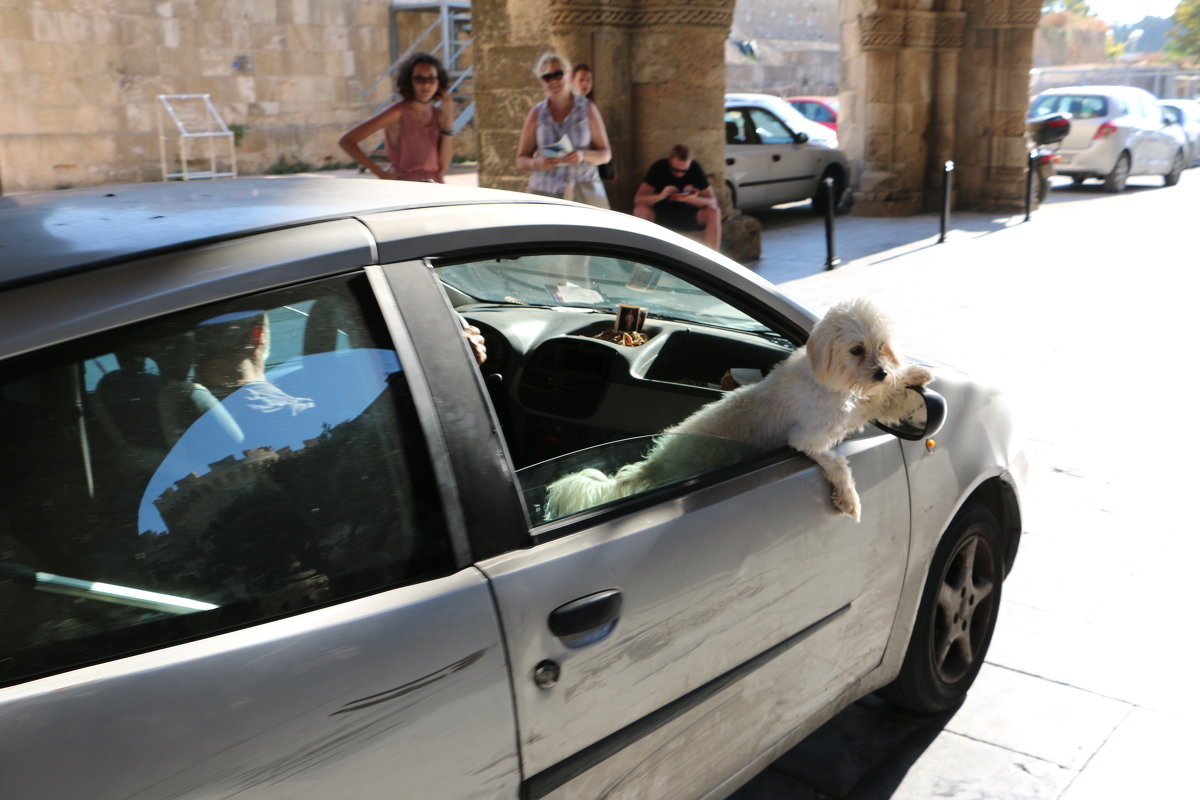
(880,374)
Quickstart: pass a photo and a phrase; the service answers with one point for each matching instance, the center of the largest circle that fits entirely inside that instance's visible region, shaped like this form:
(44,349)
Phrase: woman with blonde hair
(416,132)
(563,139)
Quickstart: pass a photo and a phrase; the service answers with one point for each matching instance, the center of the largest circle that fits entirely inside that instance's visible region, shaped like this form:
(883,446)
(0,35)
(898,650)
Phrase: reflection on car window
(1080,107)
(598,283)
(206,471)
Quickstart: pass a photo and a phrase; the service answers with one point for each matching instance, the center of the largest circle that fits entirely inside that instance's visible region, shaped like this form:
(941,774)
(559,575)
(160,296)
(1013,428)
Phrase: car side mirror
(800,138)
(926,421)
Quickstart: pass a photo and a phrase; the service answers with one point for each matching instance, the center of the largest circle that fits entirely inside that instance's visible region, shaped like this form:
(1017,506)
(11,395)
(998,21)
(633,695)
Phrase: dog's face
(850,349)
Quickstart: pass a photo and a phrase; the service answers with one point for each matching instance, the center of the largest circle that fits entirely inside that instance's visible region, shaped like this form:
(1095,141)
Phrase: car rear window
(1079,106)
(206,471)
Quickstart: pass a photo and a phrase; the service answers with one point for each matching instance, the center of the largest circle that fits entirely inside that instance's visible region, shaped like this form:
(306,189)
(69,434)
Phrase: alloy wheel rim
(965,609)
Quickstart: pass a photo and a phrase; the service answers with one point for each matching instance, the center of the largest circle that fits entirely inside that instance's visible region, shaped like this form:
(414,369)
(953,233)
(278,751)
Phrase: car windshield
(596,283)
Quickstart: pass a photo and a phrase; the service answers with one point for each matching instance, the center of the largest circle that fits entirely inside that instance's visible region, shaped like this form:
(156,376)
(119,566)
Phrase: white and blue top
(578,130)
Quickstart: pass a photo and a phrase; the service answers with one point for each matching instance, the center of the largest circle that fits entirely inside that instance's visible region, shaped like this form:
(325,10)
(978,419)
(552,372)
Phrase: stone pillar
(899,80)
(993,100)
(659,69)
(930,81)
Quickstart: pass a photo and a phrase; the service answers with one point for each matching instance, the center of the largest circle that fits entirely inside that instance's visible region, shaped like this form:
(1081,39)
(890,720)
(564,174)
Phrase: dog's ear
(820,352)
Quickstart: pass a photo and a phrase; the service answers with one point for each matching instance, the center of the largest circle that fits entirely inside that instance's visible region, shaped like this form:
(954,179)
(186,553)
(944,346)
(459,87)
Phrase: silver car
(774,155)
(271,530)
(1116,132)
(1187,114)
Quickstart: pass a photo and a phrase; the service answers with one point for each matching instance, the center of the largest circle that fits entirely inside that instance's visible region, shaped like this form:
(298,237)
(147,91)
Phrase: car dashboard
(557,388)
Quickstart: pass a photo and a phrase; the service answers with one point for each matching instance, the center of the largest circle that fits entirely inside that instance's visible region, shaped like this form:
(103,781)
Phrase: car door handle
(586,619)
(729,162)
(776,157)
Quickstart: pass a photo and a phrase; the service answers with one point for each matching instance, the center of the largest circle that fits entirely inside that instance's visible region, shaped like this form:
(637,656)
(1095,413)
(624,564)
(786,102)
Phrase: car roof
(1095,89)
(45,234)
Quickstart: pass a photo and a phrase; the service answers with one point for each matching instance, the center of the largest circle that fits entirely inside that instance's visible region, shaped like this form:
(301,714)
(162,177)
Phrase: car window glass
(770,129)
(590,358)
(205,471)
(816,112)
(736,129)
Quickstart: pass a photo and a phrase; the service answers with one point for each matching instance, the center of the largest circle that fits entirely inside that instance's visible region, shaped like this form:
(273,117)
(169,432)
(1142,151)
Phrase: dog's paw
(916,375)
(847,502)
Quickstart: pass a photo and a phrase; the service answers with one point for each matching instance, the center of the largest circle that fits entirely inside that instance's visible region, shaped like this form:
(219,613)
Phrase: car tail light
(1107,129)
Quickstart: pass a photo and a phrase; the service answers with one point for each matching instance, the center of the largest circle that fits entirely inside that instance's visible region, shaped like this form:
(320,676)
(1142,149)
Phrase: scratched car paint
(271,531)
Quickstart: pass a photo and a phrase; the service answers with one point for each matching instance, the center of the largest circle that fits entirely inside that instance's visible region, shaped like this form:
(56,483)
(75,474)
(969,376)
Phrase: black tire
(820,201)
(1115,181)
(1177,166)
(958,612)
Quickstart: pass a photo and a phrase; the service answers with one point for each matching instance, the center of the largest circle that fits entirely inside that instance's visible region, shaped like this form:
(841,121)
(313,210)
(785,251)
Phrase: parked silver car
(270,531)
(774,154)
(1116,132)
(1186,113)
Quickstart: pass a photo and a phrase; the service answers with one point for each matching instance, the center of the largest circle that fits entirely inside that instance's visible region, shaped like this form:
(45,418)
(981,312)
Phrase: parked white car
(1187,114)
(774,154)
(1116,131)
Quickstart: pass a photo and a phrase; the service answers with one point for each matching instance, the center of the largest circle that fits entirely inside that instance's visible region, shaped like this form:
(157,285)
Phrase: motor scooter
(1046,134)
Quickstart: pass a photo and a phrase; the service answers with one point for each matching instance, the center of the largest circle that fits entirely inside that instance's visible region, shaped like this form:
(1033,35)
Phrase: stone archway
(923,82)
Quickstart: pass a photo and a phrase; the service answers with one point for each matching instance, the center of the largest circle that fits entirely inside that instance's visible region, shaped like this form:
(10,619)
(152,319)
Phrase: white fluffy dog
(846,376)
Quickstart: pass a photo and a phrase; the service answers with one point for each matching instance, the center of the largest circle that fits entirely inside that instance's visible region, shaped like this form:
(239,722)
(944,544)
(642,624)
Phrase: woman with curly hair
(416,132)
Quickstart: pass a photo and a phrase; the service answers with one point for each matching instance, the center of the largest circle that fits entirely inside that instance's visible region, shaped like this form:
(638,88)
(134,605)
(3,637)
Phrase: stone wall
(78,81)
(794,47)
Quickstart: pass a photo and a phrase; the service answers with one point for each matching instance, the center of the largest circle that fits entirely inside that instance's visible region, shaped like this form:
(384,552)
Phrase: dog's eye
(857,350)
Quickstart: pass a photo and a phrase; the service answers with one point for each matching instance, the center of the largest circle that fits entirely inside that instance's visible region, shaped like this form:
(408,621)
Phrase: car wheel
(820,200)
(957,616)
(1115,180)
(1172,177)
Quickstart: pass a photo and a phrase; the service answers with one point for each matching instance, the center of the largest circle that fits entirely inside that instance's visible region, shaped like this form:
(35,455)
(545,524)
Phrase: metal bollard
(831,259)
(946,182)
(1032,164)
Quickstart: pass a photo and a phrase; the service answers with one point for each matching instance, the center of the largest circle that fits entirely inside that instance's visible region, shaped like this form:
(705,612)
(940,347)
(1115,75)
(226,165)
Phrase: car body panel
(354,694)
(676,633)
(752,611)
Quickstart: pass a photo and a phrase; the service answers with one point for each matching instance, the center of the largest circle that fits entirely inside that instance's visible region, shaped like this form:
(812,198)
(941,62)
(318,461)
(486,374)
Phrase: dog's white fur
(847,375)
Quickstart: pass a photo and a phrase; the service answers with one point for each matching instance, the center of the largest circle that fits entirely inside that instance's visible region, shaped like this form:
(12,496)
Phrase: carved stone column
(898,88)
(993,100)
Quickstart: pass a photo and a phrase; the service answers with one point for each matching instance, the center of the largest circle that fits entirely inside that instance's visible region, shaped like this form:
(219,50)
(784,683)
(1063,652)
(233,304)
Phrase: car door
(658,643)
(748,161)
(239,586)
(794,171)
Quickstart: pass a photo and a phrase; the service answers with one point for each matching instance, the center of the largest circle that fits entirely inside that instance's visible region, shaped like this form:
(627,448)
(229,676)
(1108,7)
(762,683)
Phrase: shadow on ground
(861,754)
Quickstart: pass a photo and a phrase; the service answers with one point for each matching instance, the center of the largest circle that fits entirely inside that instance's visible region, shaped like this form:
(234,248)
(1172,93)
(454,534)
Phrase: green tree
(1185,37)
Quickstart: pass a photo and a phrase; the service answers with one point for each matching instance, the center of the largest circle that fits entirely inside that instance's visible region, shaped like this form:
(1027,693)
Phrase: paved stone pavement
(1084,315)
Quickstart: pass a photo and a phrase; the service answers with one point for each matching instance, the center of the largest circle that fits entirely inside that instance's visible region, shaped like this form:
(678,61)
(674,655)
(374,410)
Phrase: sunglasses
(553,76)
(425,78)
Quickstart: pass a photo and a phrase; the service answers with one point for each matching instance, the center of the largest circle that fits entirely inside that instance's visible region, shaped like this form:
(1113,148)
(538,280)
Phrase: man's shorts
(677,216)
